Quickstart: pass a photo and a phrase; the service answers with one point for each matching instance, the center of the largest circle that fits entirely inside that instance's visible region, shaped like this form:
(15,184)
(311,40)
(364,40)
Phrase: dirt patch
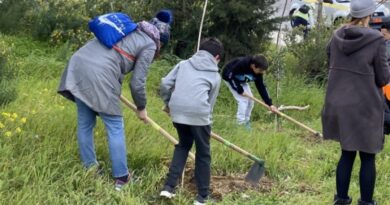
(310,137)
(223,185)
(220,186)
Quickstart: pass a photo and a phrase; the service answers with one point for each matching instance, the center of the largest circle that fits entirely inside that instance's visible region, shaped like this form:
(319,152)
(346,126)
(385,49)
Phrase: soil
(223,185)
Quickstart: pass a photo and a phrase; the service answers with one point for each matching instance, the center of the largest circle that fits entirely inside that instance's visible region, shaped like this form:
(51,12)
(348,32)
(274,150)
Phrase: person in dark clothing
(237,73)
(358,69)
(301,17)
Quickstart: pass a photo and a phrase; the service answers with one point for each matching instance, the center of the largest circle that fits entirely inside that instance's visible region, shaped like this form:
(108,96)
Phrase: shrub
(310,52)
(12,15)
(7,78)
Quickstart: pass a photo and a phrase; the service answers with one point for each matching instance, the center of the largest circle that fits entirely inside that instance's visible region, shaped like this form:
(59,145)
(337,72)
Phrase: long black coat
(354,106)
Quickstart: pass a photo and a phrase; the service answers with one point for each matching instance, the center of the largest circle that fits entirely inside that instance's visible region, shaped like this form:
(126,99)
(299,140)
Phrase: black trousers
(187,135)
(367,174)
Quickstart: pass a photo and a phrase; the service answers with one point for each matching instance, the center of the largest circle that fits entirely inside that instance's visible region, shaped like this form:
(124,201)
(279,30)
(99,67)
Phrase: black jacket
(238,71)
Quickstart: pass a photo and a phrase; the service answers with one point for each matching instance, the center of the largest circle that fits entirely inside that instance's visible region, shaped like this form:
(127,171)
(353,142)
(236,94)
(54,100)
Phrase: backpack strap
(124,53)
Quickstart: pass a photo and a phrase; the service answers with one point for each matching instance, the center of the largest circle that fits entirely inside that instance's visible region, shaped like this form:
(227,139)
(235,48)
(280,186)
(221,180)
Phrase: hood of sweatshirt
(204,61)
(350,39)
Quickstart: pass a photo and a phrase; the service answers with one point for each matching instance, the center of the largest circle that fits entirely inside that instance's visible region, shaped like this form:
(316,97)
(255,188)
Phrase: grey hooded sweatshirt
(354,105)
(191,88)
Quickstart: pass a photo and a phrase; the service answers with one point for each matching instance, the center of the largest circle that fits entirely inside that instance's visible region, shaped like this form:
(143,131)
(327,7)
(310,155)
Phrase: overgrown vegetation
(8,91)
(243,26)
(310,53)
(39,161)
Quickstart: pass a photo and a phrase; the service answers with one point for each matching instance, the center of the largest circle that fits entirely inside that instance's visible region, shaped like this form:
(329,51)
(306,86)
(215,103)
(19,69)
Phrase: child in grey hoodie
(189,92)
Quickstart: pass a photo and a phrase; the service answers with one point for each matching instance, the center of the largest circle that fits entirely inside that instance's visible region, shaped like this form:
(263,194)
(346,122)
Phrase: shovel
(154,124)
(257,169)
(285,116)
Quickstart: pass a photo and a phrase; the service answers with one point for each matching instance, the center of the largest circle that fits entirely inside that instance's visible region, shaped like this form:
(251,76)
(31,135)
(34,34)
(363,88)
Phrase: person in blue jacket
(237,73)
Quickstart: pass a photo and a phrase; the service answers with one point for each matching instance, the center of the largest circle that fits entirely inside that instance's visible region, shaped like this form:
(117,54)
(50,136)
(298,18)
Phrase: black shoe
(341,201)
(360,202)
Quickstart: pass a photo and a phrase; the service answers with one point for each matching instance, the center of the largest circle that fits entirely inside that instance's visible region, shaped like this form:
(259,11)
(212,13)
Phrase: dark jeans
(367,174)
(187,135)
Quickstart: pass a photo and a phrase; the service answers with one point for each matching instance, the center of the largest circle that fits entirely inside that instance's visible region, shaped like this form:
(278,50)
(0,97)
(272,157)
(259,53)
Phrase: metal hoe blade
(255,173)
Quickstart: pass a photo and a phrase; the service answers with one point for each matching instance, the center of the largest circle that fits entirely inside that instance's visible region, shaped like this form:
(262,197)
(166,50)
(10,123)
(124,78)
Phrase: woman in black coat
(354,105)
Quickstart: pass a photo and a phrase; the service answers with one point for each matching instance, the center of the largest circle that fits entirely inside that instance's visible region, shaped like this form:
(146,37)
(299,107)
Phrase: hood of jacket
(204,61)
(350,39)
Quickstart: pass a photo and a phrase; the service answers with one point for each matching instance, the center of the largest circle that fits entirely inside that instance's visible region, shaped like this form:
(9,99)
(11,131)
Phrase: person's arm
(138,78)
(168,84)
(381,65)
(214,93)
(261,87)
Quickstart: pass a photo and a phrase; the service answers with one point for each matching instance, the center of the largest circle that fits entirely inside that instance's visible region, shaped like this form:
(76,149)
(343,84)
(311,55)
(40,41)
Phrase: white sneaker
(196,202)
(167,194)
(200,200)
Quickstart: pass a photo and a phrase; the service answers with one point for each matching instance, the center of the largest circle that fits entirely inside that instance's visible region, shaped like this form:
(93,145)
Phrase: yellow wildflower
(18,130)
(45,90)
(14,115)
(1,125)
(23,120)
(6,114)
(8,134)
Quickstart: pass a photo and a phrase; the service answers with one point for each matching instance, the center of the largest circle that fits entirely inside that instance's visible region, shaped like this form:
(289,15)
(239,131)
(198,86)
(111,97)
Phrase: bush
(55,23)
(12,15)
(67,21)
(7,78)
(310,52)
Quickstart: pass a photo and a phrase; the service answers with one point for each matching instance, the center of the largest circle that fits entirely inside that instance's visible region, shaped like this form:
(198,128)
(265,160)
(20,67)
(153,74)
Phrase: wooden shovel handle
(285,116)
(236,148)
(154,124)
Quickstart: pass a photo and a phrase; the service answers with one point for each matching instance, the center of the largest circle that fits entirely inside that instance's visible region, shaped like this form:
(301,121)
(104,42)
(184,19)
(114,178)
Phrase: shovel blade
(255,173)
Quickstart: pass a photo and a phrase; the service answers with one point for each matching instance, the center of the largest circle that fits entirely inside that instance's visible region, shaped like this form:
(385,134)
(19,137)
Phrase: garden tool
(285,116)
(154,124)
(257,169)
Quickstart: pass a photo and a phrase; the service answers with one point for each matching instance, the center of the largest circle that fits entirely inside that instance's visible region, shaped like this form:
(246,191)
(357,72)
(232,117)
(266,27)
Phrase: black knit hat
(162,21)
(304,9)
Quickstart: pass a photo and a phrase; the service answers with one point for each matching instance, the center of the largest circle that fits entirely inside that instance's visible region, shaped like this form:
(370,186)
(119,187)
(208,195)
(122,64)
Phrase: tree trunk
(319,13)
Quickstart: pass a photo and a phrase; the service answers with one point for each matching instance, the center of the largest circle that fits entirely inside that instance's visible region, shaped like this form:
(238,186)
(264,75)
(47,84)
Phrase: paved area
(279,5)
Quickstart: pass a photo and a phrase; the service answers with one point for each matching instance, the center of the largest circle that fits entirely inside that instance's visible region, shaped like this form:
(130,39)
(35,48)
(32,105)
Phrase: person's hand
(273,108)
(166,109)
(142,115)
(245,94)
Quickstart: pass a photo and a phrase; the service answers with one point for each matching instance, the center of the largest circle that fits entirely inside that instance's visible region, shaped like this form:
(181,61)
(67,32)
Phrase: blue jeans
(86,121)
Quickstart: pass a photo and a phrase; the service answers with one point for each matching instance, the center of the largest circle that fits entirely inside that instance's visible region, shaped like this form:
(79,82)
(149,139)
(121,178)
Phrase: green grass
(40,164)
